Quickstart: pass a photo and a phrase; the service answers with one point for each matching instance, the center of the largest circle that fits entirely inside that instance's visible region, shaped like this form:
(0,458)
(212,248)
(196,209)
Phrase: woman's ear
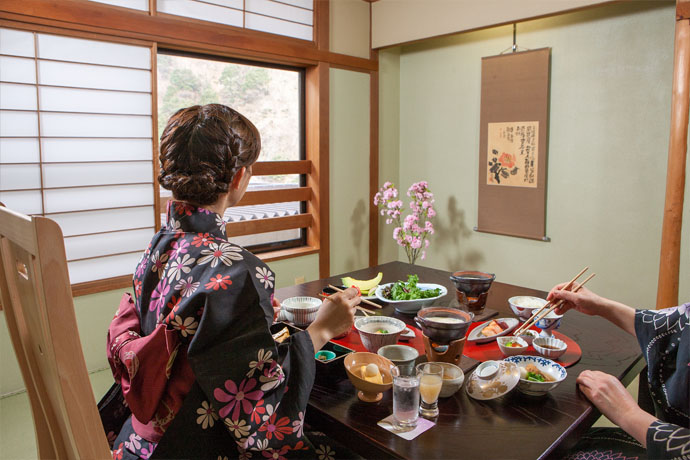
(237,178)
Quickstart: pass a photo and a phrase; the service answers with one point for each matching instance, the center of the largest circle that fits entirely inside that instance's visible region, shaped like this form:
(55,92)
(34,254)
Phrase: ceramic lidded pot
(472,288)
(443,325)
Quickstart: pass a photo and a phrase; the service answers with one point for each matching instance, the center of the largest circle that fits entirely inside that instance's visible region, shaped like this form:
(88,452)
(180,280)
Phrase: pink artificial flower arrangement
(411,232)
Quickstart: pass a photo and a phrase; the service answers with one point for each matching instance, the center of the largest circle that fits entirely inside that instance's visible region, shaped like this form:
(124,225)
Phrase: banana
(365,286)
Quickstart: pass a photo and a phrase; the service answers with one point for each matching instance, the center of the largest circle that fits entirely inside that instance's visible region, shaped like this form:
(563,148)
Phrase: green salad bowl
(411,307)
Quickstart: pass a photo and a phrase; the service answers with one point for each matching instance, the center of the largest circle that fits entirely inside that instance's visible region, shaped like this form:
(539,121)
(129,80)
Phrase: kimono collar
(185,217)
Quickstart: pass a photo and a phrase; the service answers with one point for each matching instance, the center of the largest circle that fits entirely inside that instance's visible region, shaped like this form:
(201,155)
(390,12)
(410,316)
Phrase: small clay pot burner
(472,288)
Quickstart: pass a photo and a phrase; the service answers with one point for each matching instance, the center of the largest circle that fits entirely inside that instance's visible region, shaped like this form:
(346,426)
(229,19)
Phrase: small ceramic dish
(475,334)
(371,329)
(368,391)
(518,348)
(407,335)
(545,366)
(551,347)
(410,306)
(524,305)
(453,378)
(324,355)
(505,378)
(528,336)
(300,311)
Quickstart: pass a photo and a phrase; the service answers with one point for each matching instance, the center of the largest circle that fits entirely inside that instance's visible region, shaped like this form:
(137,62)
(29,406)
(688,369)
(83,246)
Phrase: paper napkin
(406,433)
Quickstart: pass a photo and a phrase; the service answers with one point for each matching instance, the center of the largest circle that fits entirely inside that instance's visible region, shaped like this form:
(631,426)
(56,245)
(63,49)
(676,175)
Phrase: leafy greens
(409,290)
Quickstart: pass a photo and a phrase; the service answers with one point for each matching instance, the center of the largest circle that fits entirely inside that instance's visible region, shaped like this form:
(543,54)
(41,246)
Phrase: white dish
(475,336)
(511,351)
(411,306)
(504,380)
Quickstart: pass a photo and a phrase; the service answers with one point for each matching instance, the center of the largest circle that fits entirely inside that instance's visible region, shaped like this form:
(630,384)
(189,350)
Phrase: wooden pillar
(669,265)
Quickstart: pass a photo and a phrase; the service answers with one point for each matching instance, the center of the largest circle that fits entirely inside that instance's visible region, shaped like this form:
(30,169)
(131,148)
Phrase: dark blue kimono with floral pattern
(664,337)
(210,302)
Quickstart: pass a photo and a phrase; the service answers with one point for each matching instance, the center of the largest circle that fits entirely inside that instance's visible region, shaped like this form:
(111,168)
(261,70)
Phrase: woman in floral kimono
(664,336)
(192,350)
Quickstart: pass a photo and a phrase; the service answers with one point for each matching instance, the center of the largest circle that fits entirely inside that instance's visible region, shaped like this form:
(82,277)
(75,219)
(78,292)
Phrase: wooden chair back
(37,299)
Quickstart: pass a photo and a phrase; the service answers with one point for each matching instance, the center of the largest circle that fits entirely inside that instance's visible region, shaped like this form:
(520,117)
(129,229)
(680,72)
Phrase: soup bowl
(378,331)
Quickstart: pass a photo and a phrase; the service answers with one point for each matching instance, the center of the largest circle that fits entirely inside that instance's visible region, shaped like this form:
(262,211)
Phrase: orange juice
(430,387)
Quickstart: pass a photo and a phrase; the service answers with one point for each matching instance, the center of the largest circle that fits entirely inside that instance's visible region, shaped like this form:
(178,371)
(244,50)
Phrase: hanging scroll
(512,144)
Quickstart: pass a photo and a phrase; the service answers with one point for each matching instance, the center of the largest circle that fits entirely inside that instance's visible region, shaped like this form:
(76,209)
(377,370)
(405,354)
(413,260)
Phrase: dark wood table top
(516,426)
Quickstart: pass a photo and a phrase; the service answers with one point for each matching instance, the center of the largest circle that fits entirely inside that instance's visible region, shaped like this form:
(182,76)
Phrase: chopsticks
(550,306)
(362,309)
(368,302)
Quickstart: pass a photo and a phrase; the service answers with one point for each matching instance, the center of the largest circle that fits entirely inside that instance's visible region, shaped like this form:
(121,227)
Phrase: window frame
(261,248)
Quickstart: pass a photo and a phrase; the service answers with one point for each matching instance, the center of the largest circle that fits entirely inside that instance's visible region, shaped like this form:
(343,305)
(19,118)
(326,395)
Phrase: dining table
(514,426)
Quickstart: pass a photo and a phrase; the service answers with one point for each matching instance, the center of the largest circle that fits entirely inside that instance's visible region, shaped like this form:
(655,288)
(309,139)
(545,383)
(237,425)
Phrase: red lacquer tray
(353,341)
(487,351)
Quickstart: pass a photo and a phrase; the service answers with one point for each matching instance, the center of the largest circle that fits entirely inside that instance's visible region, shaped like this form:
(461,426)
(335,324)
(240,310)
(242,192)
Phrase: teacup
(402,356)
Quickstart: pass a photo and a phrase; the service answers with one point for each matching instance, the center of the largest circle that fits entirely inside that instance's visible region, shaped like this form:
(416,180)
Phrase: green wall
(611,74)
(349,170)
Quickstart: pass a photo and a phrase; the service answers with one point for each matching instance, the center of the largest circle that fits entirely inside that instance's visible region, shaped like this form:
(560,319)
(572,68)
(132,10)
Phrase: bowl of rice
(524,305)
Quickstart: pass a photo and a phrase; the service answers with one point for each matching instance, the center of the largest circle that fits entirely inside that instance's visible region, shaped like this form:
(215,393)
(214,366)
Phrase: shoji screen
(142,5)
(292,18)
(76,145)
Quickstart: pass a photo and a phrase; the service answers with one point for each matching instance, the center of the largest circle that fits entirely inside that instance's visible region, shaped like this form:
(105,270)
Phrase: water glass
(405,398)
(430,383)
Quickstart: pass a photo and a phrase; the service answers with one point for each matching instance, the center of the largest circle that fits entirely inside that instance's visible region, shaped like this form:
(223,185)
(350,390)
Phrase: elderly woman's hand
(584,301)
(613,400)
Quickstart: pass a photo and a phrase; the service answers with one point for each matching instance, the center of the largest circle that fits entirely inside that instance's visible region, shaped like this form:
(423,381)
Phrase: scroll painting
(513,140)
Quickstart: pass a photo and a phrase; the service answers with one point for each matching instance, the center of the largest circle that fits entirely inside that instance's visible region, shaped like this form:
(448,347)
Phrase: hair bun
(201,187)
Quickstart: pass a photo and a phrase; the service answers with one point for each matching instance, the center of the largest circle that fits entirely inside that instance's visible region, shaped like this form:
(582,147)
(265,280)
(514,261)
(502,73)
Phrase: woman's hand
(613,400)
(276,308)
(589,303)
(584,301)
(334,317)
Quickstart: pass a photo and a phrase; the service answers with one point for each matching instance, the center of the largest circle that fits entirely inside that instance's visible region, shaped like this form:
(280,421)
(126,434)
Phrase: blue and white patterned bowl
(544,365)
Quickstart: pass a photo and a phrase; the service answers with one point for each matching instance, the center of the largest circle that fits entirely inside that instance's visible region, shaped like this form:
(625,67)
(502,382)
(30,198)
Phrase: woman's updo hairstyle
(202,148)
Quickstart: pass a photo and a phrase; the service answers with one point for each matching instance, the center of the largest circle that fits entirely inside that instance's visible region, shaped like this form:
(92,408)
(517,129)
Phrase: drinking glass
(430,383)
(405,398)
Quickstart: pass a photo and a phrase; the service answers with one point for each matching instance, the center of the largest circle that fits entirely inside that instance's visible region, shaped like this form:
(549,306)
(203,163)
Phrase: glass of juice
(405,398)
(430,382)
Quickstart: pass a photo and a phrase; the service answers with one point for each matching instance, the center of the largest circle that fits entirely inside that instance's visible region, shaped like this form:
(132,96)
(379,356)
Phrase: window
(291,18)
(272,98)
(75,145)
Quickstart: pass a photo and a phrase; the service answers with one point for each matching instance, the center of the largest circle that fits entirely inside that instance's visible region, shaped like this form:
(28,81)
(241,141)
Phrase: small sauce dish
(487,370)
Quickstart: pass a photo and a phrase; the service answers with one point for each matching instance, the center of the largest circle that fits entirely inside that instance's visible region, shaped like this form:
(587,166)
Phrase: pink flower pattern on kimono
(178,248)
(298,425)
(158,296)
(237,396)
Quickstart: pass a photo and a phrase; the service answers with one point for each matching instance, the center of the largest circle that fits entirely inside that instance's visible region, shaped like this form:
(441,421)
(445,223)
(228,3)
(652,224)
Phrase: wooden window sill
(287,253)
